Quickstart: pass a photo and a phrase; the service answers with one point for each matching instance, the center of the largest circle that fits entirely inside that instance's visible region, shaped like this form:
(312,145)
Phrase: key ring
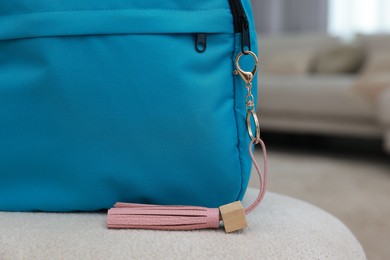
(252,114)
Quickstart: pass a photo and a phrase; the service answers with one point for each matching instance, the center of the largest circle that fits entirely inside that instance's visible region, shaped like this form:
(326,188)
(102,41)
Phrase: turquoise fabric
(106,101)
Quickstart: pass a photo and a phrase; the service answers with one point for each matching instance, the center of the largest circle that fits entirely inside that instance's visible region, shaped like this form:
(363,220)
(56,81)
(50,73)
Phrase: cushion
(281,228)
(296,62)
(375,42)
(378,62)
(343,58)
(317,96)
(372,85)
(375,76)
(295,41)
(384,109)
(377,48)
(291,54)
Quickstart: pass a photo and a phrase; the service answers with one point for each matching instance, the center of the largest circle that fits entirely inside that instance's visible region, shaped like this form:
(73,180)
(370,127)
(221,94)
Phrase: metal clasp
(250,105)
(247,76)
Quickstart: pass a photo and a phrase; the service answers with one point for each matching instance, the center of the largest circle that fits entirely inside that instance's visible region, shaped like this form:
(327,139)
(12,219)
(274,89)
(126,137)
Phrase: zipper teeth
(234,8)
(241,23)
(240,15)
(240,8)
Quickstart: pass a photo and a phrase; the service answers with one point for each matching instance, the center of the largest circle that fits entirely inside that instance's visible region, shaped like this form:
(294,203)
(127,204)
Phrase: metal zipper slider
(246,37)
(241,25)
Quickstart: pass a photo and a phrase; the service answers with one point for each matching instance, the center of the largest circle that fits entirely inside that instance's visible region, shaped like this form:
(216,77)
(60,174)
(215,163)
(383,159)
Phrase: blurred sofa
(322,85)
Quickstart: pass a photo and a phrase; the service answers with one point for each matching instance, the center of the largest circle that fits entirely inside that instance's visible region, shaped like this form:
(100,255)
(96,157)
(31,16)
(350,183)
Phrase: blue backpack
(105,101)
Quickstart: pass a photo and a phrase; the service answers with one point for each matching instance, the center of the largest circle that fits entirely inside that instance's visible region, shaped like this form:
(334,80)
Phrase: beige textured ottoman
(281,228)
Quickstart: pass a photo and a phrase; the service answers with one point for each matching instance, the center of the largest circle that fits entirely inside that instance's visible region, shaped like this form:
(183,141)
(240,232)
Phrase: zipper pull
(201,42)
(241,25)
(246,37)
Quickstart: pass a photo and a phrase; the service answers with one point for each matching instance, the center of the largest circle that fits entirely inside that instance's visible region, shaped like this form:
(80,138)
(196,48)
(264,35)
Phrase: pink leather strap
(263,176)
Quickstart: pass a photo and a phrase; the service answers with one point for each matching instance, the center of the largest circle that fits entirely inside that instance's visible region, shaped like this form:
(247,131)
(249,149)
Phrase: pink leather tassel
(139,216)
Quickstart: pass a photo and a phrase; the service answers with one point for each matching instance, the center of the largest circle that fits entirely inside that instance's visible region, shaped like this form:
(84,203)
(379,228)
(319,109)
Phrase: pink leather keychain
(141,216)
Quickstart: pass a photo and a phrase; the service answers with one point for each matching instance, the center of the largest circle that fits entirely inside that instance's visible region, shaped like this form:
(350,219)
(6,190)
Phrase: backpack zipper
(241,24)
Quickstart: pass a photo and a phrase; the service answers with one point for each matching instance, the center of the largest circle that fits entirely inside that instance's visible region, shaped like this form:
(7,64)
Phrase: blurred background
(324,107)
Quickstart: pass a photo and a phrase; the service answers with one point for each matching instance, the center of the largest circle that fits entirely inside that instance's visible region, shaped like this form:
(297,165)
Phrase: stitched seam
(236,120)
(115,9)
